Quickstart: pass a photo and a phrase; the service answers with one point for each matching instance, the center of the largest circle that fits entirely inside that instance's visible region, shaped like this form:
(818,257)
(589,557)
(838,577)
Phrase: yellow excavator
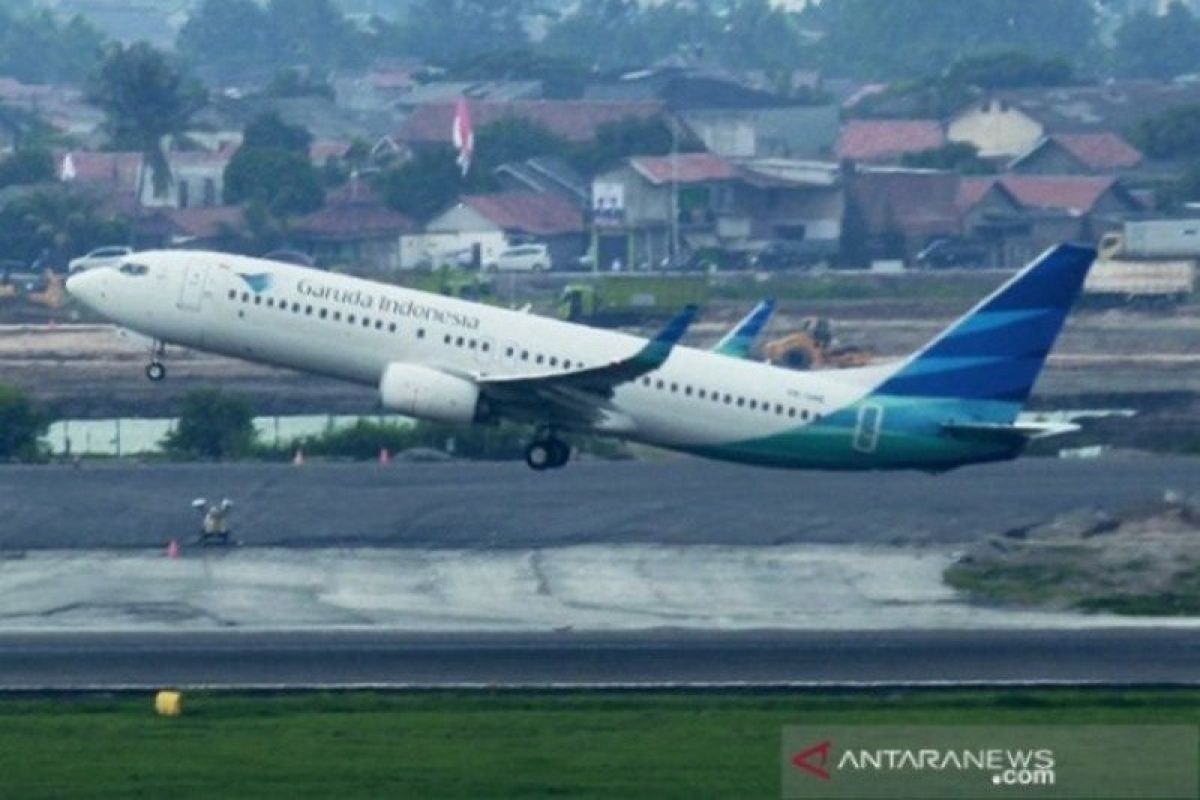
(813,347)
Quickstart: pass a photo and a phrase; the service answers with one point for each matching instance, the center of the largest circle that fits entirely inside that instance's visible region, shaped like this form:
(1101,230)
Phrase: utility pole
(674,245)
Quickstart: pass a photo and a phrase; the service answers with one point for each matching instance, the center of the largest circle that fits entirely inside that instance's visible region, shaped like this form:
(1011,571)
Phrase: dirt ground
(1104,359)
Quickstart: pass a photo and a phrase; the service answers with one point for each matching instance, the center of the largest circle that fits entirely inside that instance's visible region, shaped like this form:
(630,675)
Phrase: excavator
(813,347)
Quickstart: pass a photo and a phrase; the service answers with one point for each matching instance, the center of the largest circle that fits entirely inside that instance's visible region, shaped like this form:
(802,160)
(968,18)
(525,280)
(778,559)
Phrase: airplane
(739,341)
(953,402)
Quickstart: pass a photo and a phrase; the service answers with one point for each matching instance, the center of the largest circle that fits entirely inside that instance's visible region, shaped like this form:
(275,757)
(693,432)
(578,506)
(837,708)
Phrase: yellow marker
(168,703)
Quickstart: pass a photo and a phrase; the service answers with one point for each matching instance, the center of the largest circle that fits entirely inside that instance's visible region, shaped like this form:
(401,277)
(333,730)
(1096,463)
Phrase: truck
(615,300)
(1150,262)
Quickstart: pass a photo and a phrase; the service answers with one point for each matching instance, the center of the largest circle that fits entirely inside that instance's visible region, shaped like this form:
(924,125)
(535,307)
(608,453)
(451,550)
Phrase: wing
(583,396)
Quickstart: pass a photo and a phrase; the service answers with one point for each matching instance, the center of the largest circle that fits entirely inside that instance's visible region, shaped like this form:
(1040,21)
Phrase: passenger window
(459,341)
(337,316)
(378,324)
(524,355)
(753,404)
(323,313)
(366,322)
(350,318)
(270,302)
(554,361)
(233,294)
(391,327)
(658,384)
(258,299)
(420,333)
(540,358)
(245,297)
(566,363)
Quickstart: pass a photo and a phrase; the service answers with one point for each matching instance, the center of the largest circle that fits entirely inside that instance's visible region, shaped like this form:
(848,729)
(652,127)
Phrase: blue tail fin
(996,351)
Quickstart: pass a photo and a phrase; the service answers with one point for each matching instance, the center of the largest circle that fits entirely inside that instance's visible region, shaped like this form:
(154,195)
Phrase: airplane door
(866,434)
(192,290)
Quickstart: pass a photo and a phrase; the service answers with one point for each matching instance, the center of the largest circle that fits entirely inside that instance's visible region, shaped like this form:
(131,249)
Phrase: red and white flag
(463,135)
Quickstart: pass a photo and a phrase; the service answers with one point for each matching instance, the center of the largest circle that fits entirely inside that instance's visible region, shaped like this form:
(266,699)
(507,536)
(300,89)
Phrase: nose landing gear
(547,452)
(156,370)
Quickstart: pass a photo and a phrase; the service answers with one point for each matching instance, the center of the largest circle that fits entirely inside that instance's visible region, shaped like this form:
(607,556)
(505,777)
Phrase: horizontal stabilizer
(1007,434)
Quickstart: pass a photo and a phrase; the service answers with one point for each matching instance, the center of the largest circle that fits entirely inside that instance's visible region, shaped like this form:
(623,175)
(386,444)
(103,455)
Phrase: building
(353,229)
(197,180)
(1078,154)
(894,212)
(1009,124)
(886,140)
(478,227)
(714,204)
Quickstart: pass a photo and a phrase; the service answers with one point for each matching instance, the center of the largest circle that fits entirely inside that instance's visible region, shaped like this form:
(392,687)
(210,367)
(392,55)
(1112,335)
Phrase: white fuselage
(352,329)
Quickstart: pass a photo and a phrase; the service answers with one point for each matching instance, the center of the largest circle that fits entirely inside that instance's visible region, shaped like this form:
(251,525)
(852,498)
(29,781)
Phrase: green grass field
(479,745)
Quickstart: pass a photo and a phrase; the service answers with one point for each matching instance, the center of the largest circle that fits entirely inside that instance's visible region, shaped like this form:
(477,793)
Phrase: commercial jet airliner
(953,402)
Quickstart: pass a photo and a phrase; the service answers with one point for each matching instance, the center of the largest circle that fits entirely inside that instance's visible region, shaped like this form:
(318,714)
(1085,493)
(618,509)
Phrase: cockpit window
(129,268)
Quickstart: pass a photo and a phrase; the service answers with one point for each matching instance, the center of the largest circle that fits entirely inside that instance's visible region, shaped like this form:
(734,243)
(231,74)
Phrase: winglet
(656,351)
(740,340)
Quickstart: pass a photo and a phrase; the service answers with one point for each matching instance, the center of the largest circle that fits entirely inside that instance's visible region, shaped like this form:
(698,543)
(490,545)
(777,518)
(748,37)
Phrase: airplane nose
(86,286)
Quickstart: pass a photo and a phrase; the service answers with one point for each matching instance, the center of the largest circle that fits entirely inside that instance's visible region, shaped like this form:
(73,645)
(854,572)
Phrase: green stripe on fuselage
(910,436)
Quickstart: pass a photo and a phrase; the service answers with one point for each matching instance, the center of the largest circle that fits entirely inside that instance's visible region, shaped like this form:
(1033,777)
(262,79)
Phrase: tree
(1151,46)
(21,425)
(57,223)
(35,47)
(226,40)
(892,39)
(312,33)
(269,130)
(212,424)
(510,139)
(616,141)
(423,186)
(1175,133)
(26,166)
(961,157)
(144,99)
(284,182)
(1009,69)
(448,31)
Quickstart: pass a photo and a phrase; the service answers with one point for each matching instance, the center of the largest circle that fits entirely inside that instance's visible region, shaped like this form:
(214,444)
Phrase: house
(479,226)
(1019,216)
(1078,154)
(353,229)
(793,131)
(113,178)
(884,140)
(545,174)
(443,92)
(197,180)
(214,228)
(1007,124)
(731,118)
(573,120)
(893,212)
(710,202)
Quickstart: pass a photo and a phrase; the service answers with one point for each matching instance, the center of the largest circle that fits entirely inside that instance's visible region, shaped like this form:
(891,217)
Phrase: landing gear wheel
(560,453)
(539,455)
(155,371)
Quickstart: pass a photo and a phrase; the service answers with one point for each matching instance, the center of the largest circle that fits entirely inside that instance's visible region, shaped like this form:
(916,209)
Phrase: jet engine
(418,391)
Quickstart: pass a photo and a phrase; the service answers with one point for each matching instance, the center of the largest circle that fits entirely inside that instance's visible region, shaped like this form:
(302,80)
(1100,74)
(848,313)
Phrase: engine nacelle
(429,394)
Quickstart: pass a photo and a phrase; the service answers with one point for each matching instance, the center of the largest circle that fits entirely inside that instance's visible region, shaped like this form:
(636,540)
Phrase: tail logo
(258,282)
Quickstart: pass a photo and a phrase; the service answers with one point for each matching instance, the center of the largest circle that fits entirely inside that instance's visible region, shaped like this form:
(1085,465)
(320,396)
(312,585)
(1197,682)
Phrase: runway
(762,659)
(505,505)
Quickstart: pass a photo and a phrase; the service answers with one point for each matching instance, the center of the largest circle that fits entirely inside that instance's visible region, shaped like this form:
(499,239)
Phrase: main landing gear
(547,452)
(156,370)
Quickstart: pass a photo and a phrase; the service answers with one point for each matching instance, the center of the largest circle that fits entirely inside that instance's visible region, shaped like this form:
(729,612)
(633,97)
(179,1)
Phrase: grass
(473,745)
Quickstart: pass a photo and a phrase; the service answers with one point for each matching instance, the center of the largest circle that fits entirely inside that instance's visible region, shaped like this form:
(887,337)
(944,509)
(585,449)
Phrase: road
(678,501)
(564,660)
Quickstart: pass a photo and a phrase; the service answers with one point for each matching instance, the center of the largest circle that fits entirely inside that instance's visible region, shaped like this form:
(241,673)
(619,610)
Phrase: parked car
(781,254)
(100,257)
(520,258)
(948,253)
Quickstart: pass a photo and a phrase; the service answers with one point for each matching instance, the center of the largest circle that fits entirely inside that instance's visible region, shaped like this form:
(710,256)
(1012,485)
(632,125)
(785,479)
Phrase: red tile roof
(198,223)
(1076,194)
(120,170)
(684,168)
(576,120)
(918,203)
(533,213)
(1100,151)
(885,139)
(354,220)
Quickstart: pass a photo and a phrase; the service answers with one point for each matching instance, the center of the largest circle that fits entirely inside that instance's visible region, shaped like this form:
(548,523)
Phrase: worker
(214,525)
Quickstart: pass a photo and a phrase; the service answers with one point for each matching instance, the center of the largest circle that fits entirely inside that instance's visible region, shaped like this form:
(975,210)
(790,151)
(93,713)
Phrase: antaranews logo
(1029,761)
(818,753)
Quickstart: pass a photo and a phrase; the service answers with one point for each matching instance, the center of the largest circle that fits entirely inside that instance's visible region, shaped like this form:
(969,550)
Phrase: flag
(463,136)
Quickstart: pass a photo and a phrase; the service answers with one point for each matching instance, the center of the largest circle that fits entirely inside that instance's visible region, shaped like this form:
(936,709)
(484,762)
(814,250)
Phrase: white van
(520,258)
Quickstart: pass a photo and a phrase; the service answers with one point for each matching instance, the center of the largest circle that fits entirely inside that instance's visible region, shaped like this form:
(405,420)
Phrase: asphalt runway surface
(498,505)
(1117,657)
